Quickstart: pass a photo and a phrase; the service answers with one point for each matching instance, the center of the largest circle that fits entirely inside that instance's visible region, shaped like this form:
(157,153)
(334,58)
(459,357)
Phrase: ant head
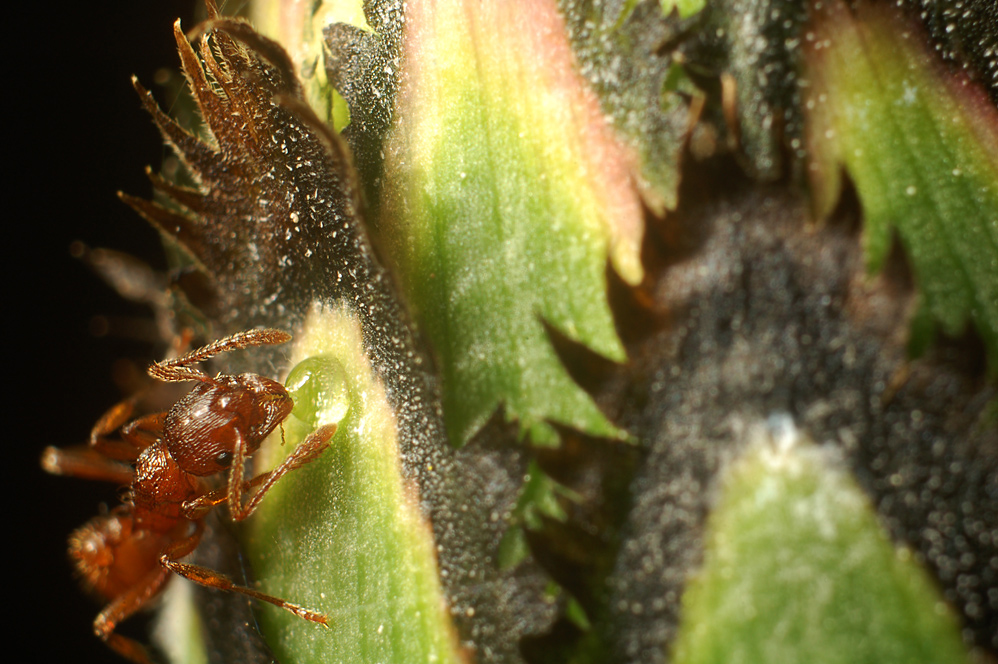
(273,405)
(203,430)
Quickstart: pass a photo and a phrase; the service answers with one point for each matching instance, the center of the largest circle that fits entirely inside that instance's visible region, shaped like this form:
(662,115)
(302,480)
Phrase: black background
(75,134)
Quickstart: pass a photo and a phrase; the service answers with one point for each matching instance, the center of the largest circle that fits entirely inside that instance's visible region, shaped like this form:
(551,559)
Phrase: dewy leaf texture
(777,318)
(298,27)
(506,195)
(349,535)
(275,229)
(625,53)
(797,565)
(513,196)
(922,148)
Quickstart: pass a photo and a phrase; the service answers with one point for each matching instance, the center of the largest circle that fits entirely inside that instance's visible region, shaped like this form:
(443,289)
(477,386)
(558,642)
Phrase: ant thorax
(160,489)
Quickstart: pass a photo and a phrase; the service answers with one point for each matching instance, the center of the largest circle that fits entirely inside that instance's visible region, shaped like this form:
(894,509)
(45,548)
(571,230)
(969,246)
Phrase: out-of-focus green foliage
(921,147)
(513,198)
(798,569)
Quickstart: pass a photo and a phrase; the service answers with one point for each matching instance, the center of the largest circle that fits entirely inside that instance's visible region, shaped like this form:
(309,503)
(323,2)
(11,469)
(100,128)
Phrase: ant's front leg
(212,579)
(309,450)
(306,452)
(198,508)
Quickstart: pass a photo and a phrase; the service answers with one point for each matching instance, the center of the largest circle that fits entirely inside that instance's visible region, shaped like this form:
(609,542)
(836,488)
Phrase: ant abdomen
(110,557)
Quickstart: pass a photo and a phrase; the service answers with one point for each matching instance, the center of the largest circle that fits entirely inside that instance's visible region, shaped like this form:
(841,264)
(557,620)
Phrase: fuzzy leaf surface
(797,569)
(515,196)
(922,148)
(348,534)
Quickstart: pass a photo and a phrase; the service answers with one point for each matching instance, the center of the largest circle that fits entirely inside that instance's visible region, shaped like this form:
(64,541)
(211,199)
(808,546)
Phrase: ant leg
(128,648)
(144,431)
(115,417)
(104,458)
(198,508)
(123,607)
(212,579)
(86,463)
(306,452)
(178,369)
(234,490)
(135,435)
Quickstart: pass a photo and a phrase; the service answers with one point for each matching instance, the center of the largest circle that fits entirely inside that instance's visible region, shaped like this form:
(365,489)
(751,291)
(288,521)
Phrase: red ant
(127,555)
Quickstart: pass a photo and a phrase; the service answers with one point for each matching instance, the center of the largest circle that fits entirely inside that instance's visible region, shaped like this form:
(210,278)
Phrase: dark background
(75,135)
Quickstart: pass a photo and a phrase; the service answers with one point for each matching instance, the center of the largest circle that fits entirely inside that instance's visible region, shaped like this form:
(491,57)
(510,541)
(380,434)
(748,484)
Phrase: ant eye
(224,459)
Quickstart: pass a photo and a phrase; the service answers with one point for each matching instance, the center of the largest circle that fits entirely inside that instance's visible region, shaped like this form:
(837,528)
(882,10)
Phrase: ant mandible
(127,555)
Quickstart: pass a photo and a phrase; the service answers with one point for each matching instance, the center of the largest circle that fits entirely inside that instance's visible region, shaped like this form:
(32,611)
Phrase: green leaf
(513,195)
(357,547)
(686,8)
(298,28)
(625,52)
(921,145)
(179,631)
(798,569)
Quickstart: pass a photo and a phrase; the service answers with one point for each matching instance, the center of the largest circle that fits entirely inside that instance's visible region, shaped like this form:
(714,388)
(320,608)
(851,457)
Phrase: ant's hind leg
(123,607)
(212,579)
(128,648)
